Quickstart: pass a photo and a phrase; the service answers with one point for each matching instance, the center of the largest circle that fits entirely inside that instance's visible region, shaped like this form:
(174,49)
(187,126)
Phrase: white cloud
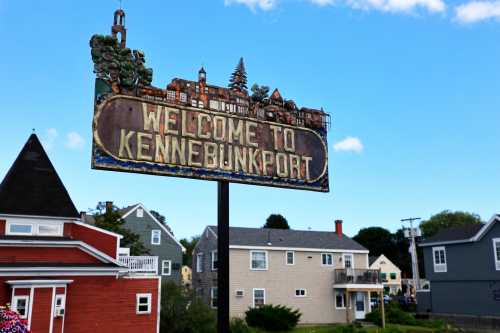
(349,144)
(476,11)
(253,4)
(399,6)
(50,138)
(74,141)
(322,3)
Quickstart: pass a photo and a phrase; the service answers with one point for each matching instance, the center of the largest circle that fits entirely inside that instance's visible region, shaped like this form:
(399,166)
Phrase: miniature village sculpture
(270,125)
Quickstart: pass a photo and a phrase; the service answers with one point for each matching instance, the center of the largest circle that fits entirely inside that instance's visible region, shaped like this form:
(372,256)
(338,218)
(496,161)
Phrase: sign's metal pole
(223,257)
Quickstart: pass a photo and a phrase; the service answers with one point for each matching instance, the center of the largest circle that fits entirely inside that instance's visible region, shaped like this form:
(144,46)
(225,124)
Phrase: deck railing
(357,276)
(140,264)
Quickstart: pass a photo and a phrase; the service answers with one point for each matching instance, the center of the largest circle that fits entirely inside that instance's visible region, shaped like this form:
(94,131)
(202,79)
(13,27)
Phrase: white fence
(140,264)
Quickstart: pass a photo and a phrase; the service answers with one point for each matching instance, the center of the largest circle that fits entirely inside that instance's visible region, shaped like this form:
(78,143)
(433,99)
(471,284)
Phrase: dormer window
(34,229)
(20,229)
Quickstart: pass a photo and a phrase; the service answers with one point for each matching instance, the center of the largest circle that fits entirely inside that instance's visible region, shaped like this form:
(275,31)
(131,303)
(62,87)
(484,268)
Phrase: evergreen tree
(238,81)
(259,92)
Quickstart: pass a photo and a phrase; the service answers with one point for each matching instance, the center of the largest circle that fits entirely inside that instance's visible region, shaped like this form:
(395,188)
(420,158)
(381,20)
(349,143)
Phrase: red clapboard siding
(45,254)
(2,227)
(22,291)
(107,304)
(42,305)
(67,229)
(101,241)
(5,291)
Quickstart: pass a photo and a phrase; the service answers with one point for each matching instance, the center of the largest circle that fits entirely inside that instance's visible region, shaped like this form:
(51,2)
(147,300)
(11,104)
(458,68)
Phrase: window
(496,249)
(383,276)
(143,304)
(140,212)
(200,104)
(194,103)
(49,230)
(258,260)
(300,293)
(156,237)
(183,97)
(20,229)
(214,260)
(240,293)
(290,258)
(199,262)
(259,297)
(20,304)
(60,300)
(339,299)
(214,104)
(213,297)
(393,276)
(348,260)
(439,256)
(171,95)
(327,259)
(166,267)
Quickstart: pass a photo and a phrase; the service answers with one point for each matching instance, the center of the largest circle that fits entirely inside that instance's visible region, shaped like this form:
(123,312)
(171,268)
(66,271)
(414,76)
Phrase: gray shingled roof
(290,238)
(455,234)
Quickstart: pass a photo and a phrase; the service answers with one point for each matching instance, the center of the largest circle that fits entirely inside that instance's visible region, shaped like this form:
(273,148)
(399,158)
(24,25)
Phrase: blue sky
(413,87)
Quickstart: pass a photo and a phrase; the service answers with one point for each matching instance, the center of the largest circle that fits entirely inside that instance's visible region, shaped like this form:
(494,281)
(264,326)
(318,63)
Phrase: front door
(359,305)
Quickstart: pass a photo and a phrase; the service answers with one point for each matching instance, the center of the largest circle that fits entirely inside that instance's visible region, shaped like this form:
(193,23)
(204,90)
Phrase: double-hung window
(439,257)
(20,304)
(156,237)
(199,262)
(166,267)
(258,260)
(348,260)
(259,297)
(339,299)
(143,304)
(327,259)
(213,297)
(496,249)
(290,258)
(215,260)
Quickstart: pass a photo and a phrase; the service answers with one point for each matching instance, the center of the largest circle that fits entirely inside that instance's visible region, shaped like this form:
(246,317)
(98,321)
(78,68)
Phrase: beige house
(390,274)
(323,274)
(186,276)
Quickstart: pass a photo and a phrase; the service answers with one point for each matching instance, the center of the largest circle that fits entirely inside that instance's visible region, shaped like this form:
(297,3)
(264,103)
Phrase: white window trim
(199,262)
(352,259)
(293,258)
(14,305)
(267,260)
(152,236)
(496,243)
(139,296)
(439,268)
(212,289)
(63,301)
(301,296)
(343,299)
(326,254)
(139,213)
(253,295)
(58,233)
(213,261)
(9,224)
(163,266)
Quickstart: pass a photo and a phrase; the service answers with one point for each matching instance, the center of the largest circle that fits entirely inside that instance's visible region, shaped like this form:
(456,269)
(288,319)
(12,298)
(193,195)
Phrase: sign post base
(223,257)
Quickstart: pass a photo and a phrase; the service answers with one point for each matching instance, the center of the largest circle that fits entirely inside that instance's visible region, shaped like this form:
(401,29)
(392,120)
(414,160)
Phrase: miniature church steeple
(238,81)
(119,27)
(202,75)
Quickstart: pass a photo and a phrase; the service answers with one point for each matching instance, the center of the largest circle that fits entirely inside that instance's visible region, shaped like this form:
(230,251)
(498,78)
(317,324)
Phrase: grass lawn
(329,328)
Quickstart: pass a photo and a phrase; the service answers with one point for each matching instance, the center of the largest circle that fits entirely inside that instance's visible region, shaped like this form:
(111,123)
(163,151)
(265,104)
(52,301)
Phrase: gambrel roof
(33,187)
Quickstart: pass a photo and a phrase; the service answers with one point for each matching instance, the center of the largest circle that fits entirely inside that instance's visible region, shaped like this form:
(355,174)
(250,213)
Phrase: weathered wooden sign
(196,130)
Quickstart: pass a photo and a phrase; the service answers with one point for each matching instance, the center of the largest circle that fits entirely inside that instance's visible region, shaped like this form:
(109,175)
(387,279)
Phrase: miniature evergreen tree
(259,92)
(238,81)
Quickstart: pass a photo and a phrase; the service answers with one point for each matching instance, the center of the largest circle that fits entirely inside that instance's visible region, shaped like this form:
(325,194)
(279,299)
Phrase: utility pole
(413,252)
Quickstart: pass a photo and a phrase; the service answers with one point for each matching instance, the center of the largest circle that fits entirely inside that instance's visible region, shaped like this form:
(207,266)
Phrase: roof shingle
(455,234)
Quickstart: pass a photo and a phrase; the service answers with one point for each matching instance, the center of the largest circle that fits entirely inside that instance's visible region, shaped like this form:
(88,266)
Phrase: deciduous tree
(276,221)
(447,219)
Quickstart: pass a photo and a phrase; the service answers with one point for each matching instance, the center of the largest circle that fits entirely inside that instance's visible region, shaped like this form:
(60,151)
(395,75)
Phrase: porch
(140,264)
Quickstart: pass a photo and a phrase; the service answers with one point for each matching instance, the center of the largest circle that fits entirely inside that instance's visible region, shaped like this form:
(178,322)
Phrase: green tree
(181,312)
(110,219)
(447,219)
(276,221)
(238,81)
(259,93)
(376,239)
(187,257)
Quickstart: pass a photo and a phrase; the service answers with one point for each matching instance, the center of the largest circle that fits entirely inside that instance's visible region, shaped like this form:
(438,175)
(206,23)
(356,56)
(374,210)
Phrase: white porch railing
(140,264)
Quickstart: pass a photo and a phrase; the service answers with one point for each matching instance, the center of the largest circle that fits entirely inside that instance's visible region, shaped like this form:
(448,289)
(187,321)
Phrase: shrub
(392,329)
(183,313)
(393,314)
(273,318)
(238,325)
(10,322)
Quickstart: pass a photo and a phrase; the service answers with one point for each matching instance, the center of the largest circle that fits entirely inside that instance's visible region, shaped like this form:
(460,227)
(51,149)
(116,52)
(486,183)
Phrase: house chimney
(338,227)
(83,215)
(109,206)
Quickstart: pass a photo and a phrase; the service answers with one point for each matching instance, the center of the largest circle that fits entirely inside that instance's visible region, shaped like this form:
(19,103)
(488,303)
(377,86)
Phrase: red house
(58,273)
